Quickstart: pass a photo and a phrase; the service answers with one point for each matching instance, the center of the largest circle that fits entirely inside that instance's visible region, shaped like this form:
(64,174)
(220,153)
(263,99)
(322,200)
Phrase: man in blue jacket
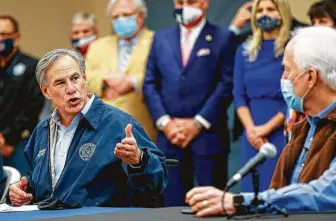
(187,88)
(86,152)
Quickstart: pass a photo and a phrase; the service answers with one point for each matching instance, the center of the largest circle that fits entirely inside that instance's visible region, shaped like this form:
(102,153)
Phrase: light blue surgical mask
(125,26)
(293,101)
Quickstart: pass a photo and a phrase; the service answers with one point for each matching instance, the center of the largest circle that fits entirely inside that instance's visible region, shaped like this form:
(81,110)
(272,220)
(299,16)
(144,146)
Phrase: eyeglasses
(6,34)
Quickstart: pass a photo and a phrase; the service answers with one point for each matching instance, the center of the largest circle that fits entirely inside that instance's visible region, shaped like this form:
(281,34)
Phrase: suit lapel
(203,42)
(142,43)
(176,45)
(112,54)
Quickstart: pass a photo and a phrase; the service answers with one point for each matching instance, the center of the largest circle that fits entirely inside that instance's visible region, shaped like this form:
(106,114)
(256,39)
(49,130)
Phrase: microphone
(266,151)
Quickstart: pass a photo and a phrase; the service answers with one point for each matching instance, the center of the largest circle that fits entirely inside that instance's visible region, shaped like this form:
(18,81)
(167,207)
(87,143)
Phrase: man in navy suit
(188,88)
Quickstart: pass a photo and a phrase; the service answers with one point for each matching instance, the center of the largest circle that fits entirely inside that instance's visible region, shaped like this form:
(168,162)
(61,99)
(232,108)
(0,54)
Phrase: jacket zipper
(49,164)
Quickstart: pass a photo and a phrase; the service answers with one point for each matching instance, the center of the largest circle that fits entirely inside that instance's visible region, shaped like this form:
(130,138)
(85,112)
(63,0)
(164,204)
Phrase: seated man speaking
(305,176)
(86,152)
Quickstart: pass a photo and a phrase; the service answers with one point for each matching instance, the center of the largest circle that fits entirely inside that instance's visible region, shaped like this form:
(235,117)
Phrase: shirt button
(302,164)
(311,139)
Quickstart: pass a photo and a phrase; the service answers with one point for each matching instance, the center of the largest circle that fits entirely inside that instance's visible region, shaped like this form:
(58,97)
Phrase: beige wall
(104,25)
(45,23)
(300,8)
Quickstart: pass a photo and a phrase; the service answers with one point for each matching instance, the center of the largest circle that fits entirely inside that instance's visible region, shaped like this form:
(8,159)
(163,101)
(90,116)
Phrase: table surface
(127,214)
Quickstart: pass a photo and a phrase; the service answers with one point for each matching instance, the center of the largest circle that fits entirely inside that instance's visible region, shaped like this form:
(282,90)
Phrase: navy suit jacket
(203,86)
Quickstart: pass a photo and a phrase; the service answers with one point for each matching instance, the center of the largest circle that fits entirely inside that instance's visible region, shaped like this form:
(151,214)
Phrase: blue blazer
(203,86)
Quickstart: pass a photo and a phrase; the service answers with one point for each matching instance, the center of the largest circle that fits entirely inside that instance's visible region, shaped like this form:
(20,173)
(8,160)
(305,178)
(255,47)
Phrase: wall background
(45,24)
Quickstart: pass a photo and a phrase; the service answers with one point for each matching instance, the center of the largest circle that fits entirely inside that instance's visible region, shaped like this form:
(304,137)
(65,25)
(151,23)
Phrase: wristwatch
(164,123)
(239,204)
(198,124)
(143,160)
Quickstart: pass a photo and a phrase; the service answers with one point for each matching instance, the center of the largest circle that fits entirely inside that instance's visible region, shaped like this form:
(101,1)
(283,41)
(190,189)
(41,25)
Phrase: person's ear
(313,77)
(205,5)
(45,91)
(141,19)
(17,38)
(85,79)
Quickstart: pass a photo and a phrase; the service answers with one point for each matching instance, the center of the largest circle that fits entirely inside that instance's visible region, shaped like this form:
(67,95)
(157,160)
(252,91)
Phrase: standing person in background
(238,34)
(21,100)
(188,88)
(257,73)
(83,31)
(323,13)
(116,63)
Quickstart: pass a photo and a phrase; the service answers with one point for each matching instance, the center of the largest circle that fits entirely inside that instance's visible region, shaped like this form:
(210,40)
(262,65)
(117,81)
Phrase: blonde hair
(253,44)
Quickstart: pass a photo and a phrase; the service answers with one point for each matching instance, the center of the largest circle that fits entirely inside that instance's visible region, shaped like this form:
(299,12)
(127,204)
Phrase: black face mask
(178,15)
(6,47)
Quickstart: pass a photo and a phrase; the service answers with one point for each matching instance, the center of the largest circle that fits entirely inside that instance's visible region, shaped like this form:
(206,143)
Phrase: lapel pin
(208,37)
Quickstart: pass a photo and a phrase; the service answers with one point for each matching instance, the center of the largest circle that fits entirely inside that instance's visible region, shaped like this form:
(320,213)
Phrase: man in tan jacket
(116,63)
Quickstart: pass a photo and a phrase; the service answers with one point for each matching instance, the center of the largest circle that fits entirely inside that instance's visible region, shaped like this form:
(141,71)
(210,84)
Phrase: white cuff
(161,120)
(235,30)
(203,121)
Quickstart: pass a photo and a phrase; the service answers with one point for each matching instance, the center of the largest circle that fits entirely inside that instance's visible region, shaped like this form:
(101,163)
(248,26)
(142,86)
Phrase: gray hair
(49,59)
(140,6)
(79,17)
(314,47)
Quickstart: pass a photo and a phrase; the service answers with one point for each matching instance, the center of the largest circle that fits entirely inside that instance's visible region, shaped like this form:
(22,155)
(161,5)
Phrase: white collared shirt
(195,32)
(64,137)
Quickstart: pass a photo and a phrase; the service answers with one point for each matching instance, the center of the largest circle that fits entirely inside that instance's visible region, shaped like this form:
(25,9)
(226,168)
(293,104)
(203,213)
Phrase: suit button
(182,77)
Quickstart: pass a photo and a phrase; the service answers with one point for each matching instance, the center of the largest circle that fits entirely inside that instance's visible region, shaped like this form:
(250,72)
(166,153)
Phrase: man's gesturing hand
(127,150)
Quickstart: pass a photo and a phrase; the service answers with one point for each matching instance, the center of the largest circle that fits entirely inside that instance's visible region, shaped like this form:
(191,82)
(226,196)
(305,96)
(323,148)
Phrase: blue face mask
(6,47)
(266,23)
(293,101)
(125,26)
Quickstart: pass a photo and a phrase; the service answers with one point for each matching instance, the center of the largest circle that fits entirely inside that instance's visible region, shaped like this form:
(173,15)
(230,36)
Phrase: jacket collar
(93,116)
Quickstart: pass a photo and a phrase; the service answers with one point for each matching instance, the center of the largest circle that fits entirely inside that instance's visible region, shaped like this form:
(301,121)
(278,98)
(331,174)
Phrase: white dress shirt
(64,137)
(195,32)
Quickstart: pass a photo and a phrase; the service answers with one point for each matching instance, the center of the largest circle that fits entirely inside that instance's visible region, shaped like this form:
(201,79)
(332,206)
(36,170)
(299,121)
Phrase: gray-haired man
(83,31)
(86,152)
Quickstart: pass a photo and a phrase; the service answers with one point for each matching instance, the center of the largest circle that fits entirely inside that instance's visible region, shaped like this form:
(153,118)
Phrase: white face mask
(187,15)
(83,41)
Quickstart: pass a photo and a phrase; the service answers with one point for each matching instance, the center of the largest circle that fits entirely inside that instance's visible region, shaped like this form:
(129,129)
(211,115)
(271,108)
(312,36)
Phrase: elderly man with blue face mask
(305,176)
(116,63)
